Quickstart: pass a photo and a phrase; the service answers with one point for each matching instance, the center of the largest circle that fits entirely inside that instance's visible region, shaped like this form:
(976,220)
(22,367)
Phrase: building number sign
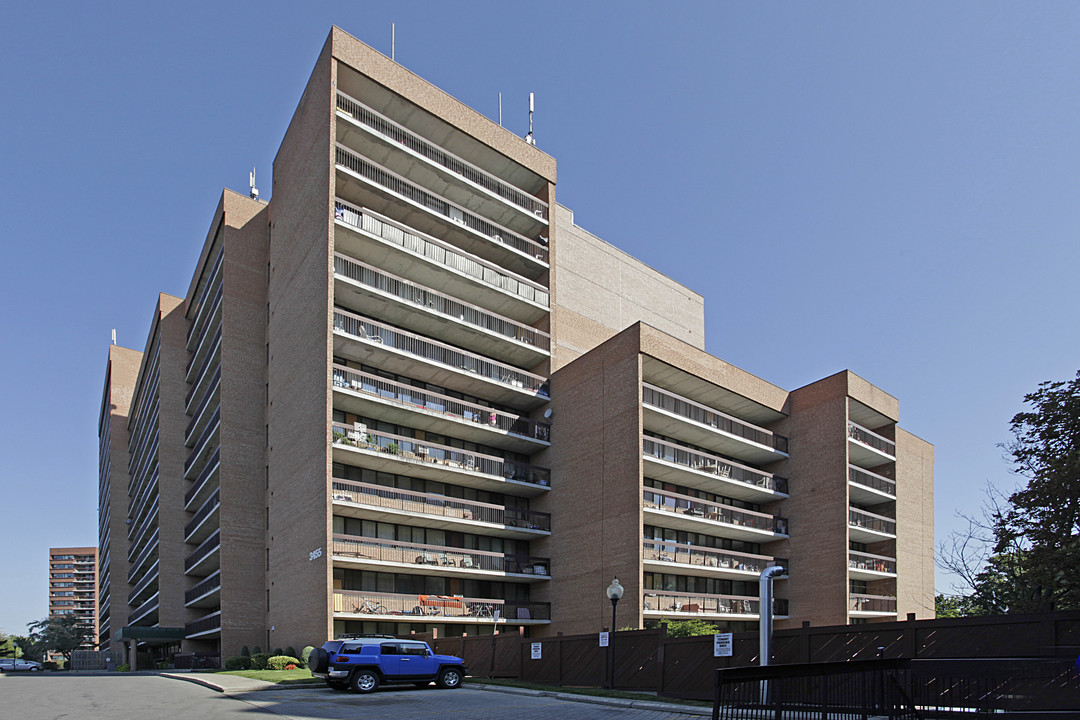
(315,554)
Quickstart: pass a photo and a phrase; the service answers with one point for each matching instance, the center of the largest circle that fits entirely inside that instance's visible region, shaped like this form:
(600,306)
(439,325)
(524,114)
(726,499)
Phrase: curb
(598,700)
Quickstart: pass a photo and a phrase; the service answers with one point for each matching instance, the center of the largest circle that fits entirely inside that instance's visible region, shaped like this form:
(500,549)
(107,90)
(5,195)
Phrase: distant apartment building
(409,393)
(73,584)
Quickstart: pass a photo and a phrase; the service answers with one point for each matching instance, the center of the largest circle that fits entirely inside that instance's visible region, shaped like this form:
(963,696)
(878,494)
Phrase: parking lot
(138,697)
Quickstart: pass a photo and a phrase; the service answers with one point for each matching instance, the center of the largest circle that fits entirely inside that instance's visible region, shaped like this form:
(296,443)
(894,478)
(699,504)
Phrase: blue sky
(888,188)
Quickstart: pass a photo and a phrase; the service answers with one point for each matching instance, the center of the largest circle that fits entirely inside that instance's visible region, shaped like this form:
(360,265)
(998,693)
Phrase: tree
(61,633)
(687,628)
(8,647)
(28,648)
(1016,555)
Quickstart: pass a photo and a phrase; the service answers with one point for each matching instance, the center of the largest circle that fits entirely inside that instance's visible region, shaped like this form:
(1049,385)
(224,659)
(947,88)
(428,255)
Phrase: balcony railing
(419,451)
(439,303)
(208,546)
(694,507)
(204,437)
(664,400)
(204,368)
(870,521)
(398,185)
(437,556)
(453,607)
(869,437)
(211,279)
(871,480)
(665,601)
(145,609)
(198,350)
(436,352)
(206,586)
(390,129)
(147,578)
(440,252)
(205,624)
(208,507)
(150,546)
(872,603)
(721,467)
(414,398)
(705,557)
(206,472)
(875,563)
(214,381)
(438,505)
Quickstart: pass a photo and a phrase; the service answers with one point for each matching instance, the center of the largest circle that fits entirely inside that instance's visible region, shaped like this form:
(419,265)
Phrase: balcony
(676,464)
(143,584)
(871,606)
(474,234)
(354,605)
(402,404)
(205,559)
(206,626)
(868,449)
(385,504)
(209,403)
(673,558)
(683,512)
(198,388)
(863,566)
(675,416)
(146,613)
(418,559)
(368,341)
(398,454)
(512,207)
(866,527)
(205,520)
(149,550)
(408,304)
(197,321)
(867,488)
(206,593)
(660,603)
(437,264)
(205,483)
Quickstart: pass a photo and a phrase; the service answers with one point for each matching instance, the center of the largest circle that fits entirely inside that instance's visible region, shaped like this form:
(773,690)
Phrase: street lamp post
(614,592)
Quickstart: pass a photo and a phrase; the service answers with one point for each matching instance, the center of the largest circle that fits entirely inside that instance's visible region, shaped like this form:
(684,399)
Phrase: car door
(390,660)
(416,661)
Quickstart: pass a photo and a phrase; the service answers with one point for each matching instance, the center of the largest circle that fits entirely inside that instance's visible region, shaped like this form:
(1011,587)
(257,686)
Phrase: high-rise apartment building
(410,393)
(73,583)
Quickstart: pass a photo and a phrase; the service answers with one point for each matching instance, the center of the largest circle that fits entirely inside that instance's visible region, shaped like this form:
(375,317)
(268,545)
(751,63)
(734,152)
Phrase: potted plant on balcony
(393,449)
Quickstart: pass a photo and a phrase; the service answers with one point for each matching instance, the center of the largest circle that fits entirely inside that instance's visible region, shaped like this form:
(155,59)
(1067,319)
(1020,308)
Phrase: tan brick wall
(298,371)
(914,525)
(243,419)
(172,421)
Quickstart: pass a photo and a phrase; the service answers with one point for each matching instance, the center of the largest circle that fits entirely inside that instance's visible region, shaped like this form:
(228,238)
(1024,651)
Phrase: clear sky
(889,188)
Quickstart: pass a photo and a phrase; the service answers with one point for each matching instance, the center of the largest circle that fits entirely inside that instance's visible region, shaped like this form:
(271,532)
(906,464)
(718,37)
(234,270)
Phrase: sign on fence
(535,651)
(604,639)
(722,645)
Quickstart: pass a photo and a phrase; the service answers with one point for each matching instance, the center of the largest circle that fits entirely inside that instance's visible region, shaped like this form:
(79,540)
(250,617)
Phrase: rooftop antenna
(114,336)
(393,40)
(251,182)
(500,109)
(532,106)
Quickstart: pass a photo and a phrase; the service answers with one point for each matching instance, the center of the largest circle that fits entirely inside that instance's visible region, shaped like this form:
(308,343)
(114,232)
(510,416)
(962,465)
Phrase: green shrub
(238,662)
(50,665)
(244,652)
(123,668)
(258,660)
(291,651)
(256,650)
(305,657)
(280,662)
(278,651)
(689,628)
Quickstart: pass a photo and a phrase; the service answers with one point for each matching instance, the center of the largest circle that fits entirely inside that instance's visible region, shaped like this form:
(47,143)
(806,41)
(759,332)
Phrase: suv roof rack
(358,636)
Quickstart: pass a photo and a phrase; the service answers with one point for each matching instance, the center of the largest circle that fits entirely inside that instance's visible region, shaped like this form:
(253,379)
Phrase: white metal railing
(712,464)
(875,563)
(417,503)
(403,188)
(870,521)
(417,399)
(869,437)
(439,556)
(704,415)
(439,252)
(871,480)
(390,129)
(456,607)
(704,557)
(872,603)
(703,604)
(425,452)
(434,351)
(690,506)
(436,302)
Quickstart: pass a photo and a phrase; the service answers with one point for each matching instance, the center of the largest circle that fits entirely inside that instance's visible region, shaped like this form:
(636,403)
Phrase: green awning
(150,634)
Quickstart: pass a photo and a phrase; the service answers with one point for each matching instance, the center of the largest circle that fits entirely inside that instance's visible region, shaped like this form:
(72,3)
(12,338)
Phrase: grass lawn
(282,677)
(599,692)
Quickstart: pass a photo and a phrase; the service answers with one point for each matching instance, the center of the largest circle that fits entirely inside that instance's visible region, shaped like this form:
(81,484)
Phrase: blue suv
(363,662)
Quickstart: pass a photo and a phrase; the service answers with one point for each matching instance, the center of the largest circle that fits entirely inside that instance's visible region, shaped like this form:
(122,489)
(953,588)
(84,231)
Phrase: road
(59,696)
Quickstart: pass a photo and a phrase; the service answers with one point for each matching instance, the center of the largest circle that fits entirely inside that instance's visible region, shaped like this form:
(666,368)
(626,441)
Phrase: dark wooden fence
(684,667)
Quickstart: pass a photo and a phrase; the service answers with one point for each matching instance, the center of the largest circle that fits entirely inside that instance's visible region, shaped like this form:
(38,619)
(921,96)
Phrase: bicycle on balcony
(364,605)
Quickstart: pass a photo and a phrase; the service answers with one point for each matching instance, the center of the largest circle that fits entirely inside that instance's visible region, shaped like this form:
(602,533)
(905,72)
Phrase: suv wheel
(319,661)
(365,681)
(449,678)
